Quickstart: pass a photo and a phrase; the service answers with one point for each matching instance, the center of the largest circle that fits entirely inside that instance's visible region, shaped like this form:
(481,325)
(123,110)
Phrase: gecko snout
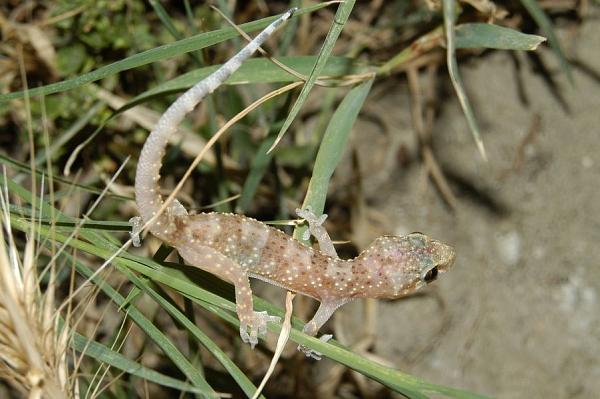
(442,259)
(434,256)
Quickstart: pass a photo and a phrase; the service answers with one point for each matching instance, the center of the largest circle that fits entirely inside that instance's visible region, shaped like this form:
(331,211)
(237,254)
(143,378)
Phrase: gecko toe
(325,337)
(313,354)
(244,333)
(310,353)
(136,229)
(249,332)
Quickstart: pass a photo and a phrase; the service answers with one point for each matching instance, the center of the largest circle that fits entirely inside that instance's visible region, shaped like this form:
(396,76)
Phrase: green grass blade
(104,225)
(165,19)
(183,46)
(237,374)
(449,8)
(68,134)
(161,340)
(104,354)
(540,17)
(259,166)
(253,71)
(48,211)
(339,21)
(480,35)
(332,147)
(26,168)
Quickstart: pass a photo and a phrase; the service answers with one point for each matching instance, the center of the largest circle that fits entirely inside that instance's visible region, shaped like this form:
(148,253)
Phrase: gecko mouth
(431,275)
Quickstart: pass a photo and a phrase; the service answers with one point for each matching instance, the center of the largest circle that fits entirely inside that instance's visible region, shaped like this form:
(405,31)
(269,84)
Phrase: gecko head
(408,263)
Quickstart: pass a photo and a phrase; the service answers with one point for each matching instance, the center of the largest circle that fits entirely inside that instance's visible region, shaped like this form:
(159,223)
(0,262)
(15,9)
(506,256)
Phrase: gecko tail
(147,190)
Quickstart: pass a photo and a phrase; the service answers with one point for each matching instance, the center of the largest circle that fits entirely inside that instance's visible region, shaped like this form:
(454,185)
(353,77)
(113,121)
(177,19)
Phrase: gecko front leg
(326,309)
(327,306)
(316,228)
(252,324)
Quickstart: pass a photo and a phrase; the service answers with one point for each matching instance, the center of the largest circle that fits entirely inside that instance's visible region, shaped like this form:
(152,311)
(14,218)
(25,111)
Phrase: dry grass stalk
(33,353)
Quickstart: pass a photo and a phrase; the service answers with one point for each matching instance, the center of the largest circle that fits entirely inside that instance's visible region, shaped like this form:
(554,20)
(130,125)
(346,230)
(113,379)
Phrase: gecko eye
(431,275)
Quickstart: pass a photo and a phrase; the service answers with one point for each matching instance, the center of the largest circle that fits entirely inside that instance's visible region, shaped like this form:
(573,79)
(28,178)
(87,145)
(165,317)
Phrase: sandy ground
(518,316)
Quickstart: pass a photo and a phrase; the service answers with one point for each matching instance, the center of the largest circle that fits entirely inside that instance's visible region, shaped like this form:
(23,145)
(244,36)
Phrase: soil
(518,316)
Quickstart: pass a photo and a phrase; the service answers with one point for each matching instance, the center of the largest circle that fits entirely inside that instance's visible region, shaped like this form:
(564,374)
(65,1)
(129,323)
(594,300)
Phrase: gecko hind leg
(315,227)
(175,209)
(252,324)
(324,312)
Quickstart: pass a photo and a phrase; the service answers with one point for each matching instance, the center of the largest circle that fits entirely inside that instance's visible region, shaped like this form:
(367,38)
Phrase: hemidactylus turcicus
(235,247)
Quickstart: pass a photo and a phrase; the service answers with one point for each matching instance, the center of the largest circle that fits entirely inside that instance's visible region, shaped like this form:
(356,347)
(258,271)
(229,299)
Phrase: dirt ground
(518,316)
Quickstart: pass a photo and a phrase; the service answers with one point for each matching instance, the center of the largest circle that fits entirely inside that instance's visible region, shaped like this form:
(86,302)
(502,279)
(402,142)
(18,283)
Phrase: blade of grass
(339,21)
(26,168)
(104,354)
(480,35)
(79,124)
(237,374)
(281,341)
(540,17)
(165,19)
(47,211)
(259,166)
(161,340)
(253,71)
(449,8)
(183,46)
(331,149)
(469,35)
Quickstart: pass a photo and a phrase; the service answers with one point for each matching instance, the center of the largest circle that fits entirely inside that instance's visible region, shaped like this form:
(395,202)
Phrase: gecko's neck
(373,274)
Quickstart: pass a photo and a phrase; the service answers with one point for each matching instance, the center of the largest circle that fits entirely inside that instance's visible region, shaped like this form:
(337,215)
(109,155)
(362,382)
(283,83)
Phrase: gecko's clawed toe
(245,336)
(258,327)
(307,214)
(325,337)
(312,353)
(136,229)
(306,235)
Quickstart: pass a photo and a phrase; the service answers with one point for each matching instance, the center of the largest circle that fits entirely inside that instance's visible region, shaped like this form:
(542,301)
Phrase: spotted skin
(235,247)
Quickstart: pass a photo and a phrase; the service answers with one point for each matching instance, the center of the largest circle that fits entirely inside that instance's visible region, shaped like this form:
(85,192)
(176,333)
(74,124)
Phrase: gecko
(236,248)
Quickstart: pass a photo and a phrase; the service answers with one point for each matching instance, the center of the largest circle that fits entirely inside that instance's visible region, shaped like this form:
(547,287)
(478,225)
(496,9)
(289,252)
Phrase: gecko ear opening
(431,275)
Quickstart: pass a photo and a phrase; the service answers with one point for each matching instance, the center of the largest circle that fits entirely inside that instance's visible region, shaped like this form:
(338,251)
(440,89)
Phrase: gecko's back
(263,252)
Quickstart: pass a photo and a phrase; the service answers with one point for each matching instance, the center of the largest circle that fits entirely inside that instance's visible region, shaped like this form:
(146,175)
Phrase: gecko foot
(256,328)
(314,354)
(314,222)
(136,229)
(316,228)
